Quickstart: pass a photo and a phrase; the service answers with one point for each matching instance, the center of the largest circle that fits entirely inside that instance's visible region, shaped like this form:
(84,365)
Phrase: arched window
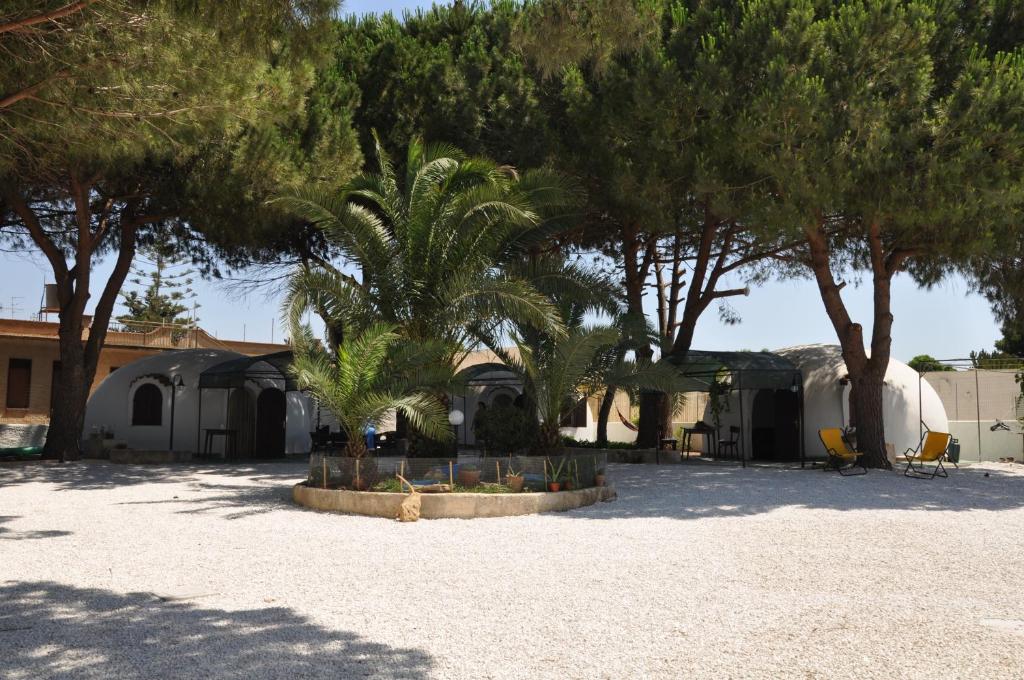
(147,405)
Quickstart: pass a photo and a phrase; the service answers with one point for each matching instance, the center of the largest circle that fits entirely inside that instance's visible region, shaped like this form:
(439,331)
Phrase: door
(242,419)
(271,412)
(775,426)
(762,426)
(787,425)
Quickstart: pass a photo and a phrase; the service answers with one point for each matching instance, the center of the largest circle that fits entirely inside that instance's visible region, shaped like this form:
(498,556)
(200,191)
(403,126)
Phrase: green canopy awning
(744,370)
(235,372)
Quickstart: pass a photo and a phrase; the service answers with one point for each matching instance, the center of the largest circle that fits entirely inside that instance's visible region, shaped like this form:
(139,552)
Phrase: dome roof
(187,363)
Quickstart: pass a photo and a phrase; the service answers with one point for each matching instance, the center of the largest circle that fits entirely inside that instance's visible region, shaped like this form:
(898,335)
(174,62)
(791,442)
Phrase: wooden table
(701,429)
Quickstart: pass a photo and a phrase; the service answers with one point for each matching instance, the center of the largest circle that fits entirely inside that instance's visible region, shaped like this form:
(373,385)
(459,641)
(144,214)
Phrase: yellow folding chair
(932,449)
(841,457)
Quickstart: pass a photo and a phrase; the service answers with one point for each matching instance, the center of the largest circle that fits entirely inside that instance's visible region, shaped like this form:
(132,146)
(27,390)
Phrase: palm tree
(425,253)
(367,377)
(559,370)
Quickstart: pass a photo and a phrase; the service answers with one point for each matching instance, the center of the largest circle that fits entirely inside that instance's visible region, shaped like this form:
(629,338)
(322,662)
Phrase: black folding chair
(730,445)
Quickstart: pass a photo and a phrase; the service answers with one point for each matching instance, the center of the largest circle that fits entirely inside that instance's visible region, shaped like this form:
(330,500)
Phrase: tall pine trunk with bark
(79,356)
(866,372)
(603,414)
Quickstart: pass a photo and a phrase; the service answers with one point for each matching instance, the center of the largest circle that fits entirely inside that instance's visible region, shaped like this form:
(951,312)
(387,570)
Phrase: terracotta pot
(515,482)
(359,484)
(569,485)
(554,486)
(468,478)
(598,480)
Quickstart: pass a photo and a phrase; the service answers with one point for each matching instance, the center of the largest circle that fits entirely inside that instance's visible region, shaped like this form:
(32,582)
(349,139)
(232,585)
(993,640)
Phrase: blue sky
(946,322)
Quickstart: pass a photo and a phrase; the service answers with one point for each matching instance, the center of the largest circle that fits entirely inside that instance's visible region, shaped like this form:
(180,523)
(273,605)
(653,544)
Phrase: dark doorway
(775,426)
(271,411)
(242,419)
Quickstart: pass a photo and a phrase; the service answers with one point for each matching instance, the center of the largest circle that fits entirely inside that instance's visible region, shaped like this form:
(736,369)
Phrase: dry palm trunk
(409,510)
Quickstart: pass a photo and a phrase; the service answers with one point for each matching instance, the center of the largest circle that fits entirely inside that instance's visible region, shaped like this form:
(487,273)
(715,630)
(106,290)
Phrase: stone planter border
(448,505)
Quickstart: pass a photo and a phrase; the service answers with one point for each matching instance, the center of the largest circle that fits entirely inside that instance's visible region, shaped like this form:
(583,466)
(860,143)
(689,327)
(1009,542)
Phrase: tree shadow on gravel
(96,475)
(50,630)
(695,491)
(240,501)
(7,534)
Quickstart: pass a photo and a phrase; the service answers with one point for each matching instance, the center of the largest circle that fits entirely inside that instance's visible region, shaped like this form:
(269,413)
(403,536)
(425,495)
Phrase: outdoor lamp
(176,382)
(456,417)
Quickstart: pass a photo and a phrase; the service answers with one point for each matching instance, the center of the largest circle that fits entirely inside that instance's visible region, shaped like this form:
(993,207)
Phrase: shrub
(505,429)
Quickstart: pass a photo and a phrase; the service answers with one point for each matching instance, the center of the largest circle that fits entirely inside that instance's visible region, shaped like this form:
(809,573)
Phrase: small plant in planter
(572,476)
(515,479)
(556,476)
(599,478)
(469,475)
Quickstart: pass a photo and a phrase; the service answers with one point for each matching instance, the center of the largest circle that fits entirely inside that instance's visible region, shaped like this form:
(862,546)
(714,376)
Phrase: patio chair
(932,449)
(841,457)
(731,444)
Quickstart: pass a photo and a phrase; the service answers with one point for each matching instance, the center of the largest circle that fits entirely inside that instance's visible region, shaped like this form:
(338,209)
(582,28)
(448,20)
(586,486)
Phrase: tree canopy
(127,123)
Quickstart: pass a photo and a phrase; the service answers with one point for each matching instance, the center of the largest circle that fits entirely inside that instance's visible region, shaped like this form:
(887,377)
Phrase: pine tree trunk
(666,415)
(867,374)
(70,396)
(866,398)
(603,413)
(650,410)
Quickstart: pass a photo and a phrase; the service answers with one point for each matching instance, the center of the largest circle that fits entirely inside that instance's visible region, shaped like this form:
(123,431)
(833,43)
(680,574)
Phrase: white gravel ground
(696,571)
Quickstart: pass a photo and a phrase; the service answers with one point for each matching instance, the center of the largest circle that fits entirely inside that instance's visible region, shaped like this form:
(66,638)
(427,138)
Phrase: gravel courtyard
(695,571)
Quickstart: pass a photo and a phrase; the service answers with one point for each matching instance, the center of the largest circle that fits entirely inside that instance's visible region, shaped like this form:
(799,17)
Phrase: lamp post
(176,382)
(456,418)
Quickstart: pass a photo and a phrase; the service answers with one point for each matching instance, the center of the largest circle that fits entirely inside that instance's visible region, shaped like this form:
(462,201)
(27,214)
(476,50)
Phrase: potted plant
(571,480)
(599,477)
(515,479)
(556,475)
(469,475)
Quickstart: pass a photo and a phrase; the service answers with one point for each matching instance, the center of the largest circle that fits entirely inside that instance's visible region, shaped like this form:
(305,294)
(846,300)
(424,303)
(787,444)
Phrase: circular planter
(447,505)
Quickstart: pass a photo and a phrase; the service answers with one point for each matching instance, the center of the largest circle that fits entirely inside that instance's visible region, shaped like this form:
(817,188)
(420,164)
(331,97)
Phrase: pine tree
(166,289)
(125,122)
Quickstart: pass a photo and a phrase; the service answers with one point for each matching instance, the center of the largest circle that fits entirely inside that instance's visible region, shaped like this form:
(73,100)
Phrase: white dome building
(247,404)
(907,399)
(763,410)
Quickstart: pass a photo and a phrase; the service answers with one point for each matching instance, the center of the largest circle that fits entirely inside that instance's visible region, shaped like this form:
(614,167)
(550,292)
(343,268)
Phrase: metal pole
(174,398)
(977,404)
(920,409)
(199,423)
(743,447)
(803,451)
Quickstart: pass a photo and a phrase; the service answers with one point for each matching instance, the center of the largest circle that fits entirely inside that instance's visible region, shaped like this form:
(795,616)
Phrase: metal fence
(465,473)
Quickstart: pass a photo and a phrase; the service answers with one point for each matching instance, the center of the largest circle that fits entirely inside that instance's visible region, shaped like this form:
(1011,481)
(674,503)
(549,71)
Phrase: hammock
(625,421)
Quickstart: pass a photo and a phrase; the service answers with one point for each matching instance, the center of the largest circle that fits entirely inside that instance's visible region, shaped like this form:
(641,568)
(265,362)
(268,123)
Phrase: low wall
(448,505)
(995,444)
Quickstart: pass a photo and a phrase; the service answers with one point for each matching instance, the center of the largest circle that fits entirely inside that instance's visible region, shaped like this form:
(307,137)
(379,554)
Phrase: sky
(946,322)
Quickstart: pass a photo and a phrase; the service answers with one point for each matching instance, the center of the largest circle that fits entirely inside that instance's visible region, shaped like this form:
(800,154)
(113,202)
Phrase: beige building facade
(30,360)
